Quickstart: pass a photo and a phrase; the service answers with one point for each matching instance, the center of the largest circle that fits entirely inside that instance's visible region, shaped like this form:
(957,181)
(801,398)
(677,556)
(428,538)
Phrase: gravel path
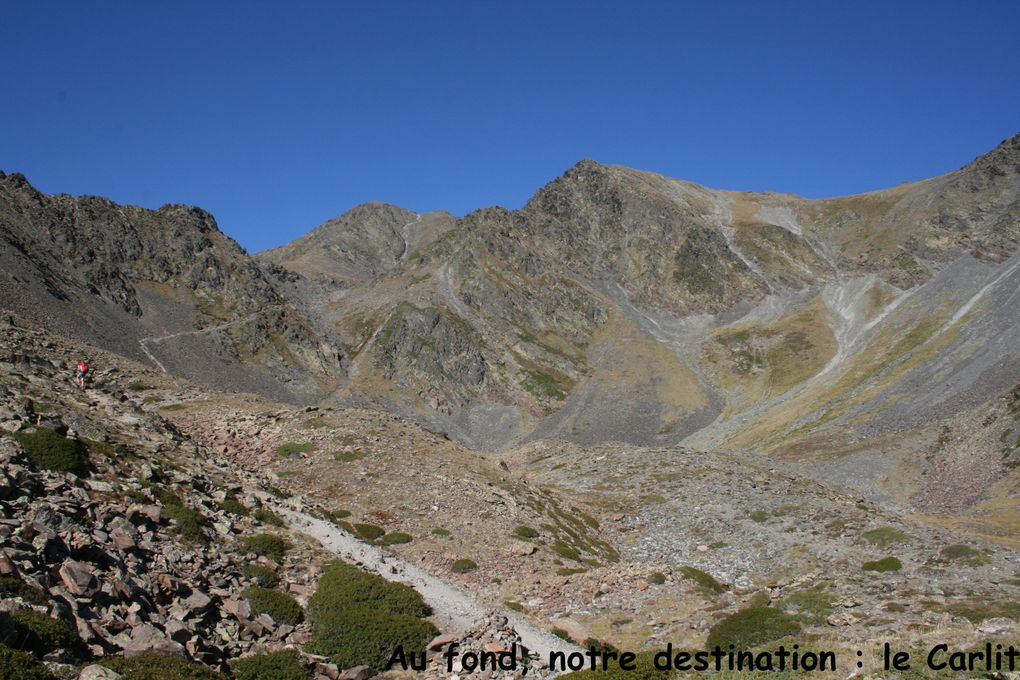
(454,608)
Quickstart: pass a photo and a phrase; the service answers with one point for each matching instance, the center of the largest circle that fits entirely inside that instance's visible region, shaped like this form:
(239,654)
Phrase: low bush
(50,450)
(267,516)
(16,665)
(282,665)
(159,667)
(395,538)
(352,637)
(439,531)
(463,566)
(290,448)
(360,618)
(758,516)
(267,545)
(751,627)
(963,554)
(706,582)
(189,521)
(883,565)
(263,577)
(811,605)
(658,578)
(369,532)
(883,537)
(278,604)
(12,586)
(40,634)
(560,547)
(234,507)
(343,586)
(525,532)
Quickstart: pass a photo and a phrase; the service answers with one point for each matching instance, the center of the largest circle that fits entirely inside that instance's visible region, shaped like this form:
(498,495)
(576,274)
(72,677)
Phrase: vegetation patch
(234,507)
(811,606)
(360,618)
(758,516)
(883,565)
(160,667)
(369,532)
(348,456)
(189,522)
(17,665)
(525,532)
(317,423)
(439,531)
(12,586)
(463,566)
(291,448)
(263,577)
(570,571)
(395,538)
(963,554)
(977,611)
(884,537)
(658,578)
(278,604)
(542,384)
(267,545)
(283,665)
(41,634)
(514,606)
(267,516)
(50,450)
(706,582)
(752,627)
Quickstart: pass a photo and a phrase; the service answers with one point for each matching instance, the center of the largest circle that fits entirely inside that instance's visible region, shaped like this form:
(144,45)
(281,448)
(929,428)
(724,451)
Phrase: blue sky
(278,116)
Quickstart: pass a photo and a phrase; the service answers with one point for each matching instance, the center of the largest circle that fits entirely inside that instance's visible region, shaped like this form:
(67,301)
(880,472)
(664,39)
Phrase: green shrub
(282,665)
(525,532)
(963,553)
(658,578)
(812,605)
(706,582)
(15,665)
(343,586)
(977,611)
(351,637)
(394,538)
(138,386)
(290,448)
(160,667)
(12,586)
(234,507)
(317,423)
(463,566)
(883,537)
(49,450)
(360,618)
(514,606)
(749,628)
(369,532)
(564,550)
(758,516)
(570,571)
(267,516)
(278,604)
(335,515)
(40,634)
(561,634)
(189,521)
(263,576)
(883,565)
(439,531)
(348,456)
(267,545)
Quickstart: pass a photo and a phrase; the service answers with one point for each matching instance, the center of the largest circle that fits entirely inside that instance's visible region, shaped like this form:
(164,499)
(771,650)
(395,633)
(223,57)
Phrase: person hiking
(81,373)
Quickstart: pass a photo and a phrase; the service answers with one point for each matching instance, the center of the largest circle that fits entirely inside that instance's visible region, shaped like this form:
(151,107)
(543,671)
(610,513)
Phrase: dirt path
(455,609)
(144,342)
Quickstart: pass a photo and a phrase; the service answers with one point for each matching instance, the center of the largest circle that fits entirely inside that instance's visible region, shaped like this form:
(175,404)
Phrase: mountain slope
(163,284)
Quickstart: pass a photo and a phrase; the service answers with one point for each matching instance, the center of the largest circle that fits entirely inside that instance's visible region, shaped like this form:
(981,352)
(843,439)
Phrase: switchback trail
(144,342)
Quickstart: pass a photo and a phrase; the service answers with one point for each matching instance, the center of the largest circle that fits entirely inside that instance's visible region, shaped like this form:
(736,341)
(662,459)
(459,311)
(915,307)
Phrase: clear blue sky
(278,116)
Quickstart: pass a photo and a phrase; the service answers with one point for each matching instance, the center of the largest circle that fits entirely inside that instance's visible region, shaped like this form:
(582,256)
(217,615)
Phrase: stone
(441,641)
(78,578)
(359,673)
(97,672)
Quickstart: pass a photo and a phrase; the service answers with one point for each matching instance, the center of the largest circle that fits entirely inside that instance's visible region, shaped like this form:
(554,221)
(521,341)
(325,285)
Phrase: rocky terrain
(635,411)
